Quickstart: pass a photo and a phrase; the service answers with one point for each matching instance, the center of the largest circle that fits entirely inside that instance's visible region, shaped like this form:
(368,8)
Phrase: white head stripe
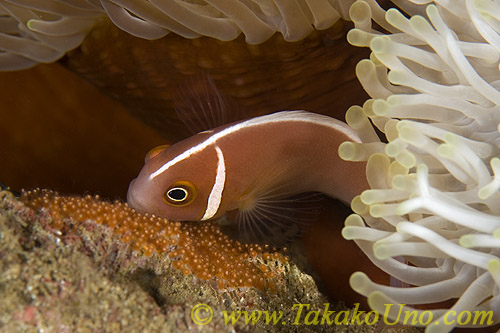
(215,197)
(296,116)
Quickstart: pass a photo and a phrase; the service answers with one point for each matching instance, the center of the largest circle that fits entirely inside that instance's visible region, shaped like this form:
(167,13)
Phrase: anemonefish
(247,167)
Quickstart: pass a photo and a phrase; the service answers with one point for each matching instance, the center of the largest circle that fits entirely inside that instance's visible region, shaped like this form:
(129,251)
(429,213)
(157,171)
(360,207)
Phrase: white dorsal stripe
(215,197)
(283,116)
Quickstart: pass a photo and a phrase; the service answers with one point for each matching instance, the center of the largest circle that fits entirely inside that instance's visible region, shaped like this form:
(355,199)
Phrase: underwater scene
(250,166)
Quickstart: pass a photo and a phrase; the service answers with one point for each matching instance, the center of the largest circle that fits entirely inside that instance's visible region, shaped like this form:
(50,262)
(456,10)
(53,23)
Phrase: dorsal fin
(201,106)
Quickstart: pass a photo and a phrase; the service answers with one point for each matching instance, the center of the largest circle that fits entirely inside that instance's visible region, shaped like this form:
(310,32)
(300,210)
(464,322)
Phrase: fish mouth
(138,201)
(132,199)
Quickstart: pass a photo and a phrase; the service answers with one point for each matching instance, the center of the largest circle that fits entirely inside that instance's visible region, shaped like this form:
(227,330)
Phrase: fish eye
(180,194)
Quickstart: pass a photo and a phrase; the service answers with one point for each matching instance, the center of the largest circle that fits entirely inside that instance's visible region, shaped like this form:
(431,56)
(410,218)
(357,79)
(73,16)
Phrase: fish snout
(133,197)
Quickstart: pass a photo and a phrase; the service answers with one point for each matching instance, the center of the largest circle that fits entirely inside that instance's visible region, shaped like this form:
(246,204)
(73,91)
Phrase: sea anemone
(432,216)
(43,31)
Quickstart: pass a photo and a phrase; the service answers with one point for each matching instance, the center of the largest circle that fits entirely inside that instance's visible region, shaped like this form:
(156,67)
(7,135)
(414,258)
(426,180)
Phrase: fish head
(176,181)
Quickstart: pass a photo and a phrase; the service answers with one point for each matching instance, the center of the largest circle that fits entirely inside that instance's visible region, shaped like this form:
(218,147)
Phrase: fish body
(248,165)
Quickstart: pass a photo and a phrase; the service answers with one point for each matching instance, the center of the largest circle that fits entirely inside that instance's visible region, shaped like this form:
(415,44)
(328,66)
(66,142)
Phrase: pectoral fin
(275,220)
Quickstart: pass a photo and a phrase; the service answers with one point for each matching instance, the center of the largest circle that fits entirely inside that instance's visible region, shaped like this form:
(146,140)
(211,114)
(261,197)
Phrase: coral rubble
(63,271)
(68,273)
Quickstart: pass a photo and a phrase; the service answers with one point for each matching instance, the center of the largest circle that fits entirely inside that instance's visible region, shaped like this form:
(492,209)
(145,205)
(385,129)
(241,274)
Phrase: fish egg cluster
(208,252)
(200,248)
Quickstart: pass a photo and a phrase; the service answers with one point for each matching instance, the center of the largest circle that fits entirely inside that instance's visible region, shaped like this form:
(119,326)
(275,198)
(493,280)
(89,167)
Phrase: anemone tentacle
(33,31)
(433,79)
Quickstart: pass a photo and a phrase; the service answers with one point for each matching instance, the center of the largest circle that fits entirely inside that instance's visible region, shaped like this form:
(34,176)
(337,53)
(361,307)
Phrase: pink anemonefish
(249,167)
